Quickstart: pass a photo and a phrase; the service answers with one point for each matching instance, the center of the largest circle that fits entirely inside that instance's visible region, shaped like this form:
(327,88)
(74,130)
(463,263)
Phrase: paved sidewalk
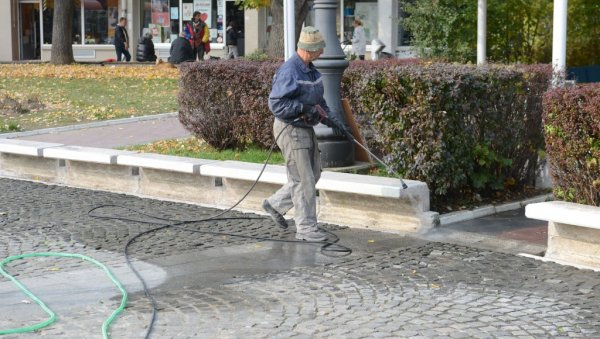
(117,133)
(509,232)
(461,280)
(206,286)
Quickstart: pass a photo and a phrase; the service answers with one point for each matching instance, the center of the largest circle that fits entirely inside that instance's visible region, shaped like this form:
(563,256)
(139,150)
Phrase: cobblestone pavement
(209,286)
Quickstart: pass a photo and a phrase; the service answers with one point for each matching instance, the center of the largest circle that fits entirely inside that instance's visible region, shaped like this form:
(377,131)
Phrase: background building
(30,25)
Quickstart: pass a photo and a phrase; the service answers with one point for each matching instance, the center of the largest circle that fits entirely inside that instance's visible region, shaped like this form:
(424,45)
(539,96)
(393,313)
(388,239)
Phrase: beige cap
(311,39)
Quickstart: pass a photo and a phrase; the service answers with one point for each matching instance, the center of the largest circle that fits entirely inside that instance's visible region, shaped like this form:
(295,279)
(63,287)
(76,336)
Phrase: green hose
(52,317)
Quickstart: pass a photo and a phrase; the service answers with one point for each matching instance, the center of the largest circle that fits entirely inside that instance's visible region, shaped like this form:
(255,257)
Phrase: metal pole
(559,42)
(481,31)
(336,151)
(289,28)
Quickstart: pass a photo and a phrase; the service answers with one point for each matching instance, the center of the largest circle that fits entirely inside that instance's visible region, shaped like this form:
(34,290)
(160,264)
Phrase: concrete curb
(88,125)
(458,216)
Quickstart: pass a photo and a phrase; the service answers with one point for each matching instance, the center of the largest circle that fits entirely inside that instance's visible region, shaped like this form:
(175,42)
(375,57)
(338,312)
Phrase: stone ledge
(163,162)
(452,217)
(345,199)
(84,154)
(25,147)
(239,170)
(565,213)
(374,186)
(573,231)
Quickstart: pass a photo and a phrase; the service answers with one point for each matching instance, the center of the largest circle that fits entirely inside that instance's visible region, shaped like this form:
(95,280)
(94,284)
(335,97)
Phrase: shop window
(161,19)
(47,22)
(404,36)
(366,11)
(99,19)
(212,14)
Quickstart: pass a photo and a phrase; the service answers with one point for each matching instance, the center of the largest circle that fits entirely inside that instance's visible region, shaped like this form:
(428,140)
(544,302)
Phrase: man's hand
(310,112)
(338,127)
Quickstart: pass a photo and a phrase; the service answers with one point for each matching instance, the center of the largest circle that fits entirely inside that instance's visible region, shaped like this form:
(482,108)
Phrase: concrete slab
(84,154)
(273,174)
(25,147)
(163,162)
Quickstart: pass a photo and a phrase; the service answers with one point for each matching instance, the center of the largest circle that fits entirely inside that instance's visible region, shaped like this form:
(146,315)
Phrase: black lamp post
(336,151)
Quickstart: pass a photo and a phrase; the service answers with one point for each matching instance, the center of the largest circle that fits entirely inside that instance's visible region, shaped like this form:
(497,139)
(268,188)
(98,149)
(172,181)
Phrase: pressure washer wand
(342,128)
(404,186)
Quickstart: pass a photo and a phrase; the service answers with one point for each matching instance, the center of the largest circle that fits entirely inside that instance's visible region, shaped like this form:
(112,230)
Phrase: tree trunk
(62,31)
(275,45)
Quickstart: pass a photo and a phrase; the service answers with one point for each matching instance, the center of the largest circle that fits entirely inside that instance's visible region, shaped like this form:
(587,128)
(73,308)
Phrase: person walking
(297,102)
(198,34)
(122,40)
(359,41)
(232,40)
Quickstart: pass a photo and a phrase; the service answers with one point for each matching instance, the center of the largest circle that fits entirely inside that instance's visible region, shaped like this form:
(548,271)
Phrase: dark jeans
(199,52)
(122,51)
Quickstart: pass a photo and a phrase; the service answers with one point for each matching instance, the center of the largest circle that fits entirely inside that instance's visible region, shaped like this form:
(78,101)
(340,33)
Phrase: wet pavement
(220,286)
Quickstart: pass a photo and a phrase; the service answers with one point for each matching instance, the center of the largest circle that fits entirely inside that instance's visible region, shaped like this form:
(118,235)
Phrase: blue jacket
(295,84)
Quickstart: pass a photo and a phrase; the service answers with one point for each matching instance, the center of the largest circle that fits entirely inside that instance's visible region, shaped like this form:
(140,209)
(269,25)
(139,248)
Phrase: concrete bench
(84,154)
(375,202)
(273,174)
(24,159)
(172,177)
(25,147)
(573,232)
(345,199)
(349,199)
(163,162)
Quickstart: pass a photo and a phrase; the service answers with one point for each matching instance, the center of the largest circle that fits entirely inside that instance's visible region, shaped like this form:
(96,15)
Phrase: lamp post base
(336,153)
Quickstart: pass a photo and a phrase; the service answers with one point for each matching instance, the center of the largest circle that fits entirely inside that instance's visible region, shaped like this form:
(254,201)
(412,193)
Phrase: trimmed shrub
(460,128)
(572,132)
(224,102)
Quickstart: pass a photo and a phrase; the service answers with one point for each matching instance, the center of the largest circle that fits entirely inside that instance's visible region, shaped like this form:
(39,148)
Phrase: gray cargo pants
(303,164)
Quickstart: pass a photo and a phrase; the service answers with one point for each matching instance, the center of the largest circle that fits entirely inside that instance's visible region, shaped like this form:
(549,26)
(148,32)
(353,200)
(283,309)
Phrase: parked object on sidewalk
(377,50)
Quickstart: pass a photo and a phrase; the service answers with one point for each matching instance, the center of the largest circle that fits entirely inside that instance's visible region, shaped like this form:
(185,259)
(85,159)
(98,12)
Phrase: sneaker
(316,235)
(276,216)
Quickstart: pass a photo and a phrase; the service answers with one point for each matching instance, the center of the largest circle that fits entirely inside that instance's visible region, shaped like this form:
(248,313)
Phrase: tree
(275,43)
(518,30)
(62,31)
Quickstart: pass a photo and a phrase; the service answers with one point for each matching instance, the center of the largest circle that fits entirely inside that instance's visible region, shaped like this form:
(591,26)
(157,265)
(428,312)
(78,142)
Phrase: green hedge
(461,129)
(572,132)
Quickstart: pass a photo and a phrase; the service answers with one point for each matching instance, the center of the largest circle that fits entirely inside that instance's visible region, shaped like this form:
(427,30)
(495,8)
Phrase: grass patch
(82,93)
(195,148)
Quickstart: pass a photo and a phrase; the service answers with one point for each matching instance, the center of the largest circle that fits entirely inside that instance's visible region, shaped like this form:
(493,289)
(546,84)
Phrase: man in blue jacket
(296,99)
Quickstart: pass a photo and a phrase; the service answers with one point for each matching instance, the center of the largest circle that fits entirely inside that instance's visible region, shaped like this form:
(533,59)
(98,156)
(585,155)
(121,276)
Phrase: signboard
(205,9)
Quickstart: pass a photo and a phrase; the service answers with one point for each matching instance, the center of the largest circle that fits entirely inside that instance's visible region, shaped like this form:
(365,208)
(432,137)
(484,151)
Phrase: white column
(387,27)
(559,41)
(289,28)
(481,31)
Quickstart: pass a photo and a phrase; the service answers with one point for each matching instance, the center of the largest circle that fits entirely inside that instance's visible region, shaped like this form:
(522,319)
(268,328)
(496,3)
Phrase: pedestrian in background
(359,41)
(297,102)
(181,50)
(198,35)
(232,40)
(122,40)
(145,49)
